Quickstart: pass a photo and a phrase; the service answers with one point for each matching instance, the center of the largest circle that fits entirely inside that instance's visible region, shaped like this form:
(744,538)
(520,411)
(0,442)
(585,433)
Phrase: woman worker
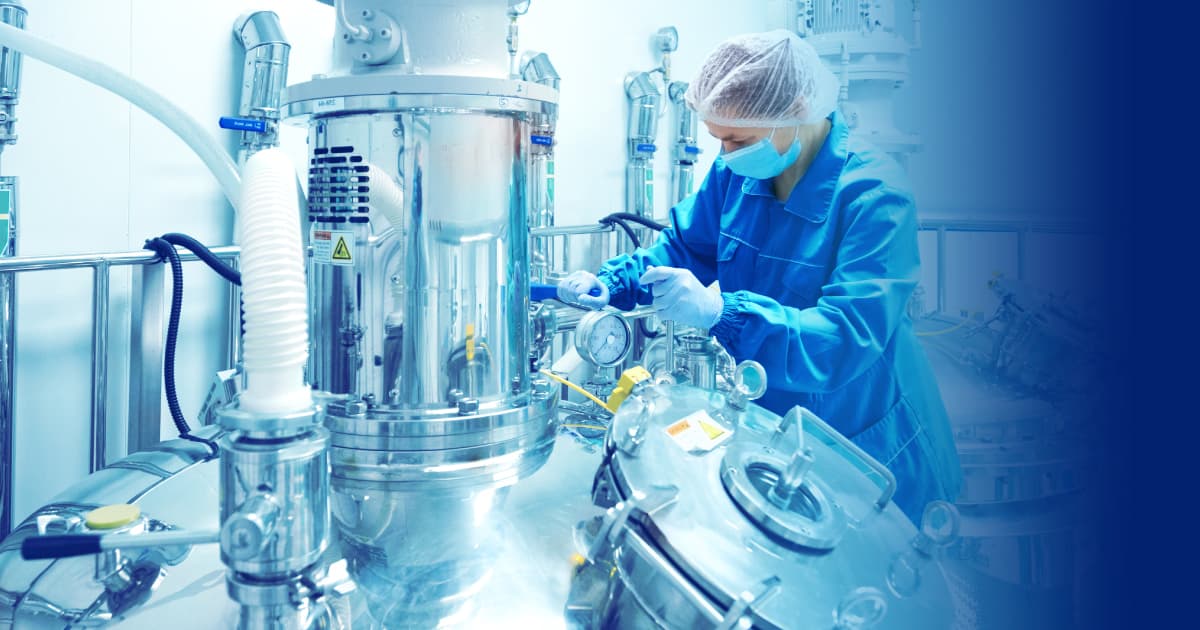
(812,238)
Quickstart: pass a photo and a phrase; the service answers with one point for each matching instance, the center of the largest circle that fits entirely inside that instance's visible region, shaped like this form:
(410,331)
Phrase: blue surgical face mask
(760,160)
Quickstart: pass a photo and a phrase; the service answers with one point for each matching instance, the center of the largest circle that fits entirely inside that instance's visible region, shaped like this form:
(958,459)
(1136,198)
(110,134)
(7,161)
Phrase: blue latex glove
(680,297)
(583,288)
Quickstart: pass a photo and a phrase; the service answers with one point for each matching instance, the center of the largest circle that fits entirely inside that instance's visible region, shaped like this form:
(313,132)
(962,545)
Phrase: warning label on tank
(697,432)
(332,247)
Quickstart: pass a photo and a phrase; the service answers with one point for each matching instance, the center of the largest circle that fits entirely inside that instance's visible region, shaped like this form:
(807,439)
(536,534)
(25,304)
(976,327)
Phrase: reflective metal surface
(419,289)
(175,487)
(12,13)
(695,545)
(8,349)
(264,76)
(525,551)
(435,297)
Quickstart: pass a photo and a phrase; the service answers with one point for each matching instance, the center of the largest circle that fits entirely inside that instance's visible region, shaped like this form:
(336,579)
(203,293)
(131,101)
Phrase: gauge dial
(603,338)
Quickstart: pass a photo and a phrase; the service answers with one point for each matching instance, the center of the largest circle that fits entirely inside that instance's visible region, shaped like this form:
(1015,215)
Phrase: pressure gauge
(603,338)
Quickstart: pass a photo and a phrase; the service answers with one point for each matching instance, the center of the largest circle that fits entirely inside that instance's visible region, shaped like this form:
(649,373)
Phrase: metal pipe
(644,102)
(8,348)
(572,230)
(264,76)
(112,259)
(145,358)
(13,14)
(99,433)
(685,151)
(536,68)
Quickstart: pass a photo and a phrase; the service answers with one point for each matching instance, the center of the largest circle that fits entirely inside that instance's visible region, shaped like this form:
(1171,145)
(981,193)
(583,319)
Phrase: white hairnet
(772,79)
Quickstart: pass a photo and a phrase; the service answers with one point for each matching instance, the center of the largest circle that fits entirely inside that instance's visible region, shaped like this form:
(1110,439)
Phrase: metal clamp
(811,419)
(737,611)
(613,527)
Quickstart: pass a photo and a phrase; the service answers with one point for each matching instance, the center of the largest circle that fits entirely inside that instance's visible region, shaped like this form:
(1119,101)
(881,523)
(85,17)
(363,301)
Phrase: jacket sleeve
(821,348)
(690,242)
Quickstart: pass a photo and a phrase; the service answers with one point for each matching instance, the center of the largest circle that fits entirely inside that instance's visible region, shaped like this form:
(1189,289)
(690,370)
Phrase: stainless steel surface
(264,77)
(644,102)
(420,321)
(700,539)
(528,550)
(456,317)
(278,488)
(174,486)
(685,150)
(112,259)
(12,13)
(8,351)
(147,298)
(423,36)
(99,428)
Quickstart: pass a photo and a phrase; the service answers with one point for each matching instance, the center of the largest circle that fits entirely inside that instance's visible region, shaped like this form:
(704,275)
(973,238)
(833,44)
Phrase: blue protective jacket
(815,290)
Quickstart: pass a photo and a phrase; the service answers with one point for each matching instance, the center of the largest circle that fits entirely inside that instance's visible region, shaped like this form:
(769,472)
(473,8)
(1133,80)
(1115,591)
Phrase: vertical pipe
(8,349)
(644,100)
(99,434)
(13,14)
(264,75)
(145,358)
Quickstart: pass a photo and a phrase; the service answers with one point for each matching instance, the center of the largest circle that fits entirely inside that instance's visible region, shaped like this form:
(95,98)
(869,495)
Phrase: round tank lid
(112,516)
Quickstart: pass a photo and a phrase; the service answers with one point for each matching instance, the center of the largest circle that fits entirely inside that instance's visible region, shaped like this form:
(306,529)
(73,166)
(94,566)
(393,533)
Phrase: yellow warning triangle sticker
(340,251)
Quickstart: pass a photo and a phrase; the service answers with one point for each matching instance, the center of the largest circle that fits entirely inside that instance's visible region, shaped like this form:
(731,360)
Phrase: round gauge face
(605,340)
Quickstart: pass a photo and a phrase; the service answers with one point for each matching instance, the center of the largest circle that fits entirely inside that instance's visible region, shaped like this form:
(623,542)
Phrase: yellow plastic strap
(112,516)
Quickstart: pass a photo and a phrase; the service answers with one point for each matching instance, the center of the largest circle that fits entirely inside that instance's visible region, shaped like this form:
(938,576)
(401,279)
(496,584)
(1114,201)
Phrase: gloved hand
(679,296)
(574,289)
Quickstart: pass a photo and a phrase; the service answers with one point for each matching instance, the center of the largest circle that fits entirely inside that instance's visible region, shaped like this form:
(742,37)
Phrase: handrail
(109,259)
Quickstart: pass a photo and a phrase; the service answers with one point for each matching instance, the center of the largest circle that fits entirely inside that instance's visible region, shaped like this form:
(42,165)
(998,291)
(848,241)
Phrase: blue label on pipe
(691,149)
(645,147)
(243,124)
(542,140)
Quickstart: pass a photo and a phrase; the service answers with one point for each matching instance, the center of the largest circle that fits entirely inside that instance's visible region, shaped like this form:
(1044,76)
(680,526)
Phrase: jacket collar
(812,198)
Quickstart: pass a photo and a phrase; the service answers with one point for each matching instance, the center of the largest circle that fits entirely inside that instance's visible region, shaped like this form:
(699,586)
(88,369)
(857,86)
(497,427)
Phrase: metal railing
(147,301)
(1022,229)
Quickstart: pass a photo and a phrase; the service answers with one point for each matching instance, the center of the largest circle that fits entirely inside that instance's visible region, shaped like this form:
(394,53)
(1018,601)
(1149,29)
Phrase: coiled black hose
(204,254)
(640,220)
(609,220)
(167,251)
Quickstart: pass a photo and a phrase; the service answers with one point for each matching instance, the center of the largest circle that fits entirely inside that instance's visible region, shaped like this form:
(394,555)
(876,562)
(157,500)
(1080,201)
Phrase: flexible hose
(609,220)
(577,388)
(211,153)
(640,220)
(274,293)
(204,254)
(167,252)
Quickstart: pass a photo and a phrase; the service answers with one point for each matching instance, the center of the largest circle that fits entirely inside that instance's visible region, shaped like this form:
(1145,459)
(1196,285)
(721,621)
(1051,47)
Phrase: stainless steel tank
(420,160)
(1018,393)
(724,515)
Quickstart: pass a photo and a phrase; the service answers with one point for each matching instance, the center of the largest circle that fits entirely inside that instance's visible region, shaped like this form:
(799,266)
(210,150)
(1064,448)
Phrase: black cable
(643,221)
(167,251)
(609,220)
(204,254)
